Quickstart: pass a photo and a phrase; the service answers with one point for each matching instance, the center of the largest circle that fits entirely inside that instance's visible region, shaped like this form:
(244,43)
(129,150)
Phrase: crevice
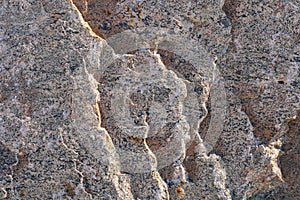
(84,23)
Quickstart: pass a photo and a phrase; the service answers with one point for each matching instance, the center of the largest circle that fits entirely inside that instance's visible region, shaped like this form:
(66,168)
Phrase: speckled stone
(43,154)
(83,116)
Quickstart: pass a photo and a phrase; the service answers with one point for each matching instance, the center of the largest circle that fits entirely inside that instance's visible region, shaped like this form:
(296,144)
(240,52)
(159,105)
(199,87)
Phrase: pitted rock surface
(87,115)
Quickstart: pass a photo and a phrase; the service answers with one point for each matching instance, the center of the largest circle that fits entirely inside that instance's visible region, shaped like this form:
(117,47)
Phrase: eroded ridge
(153,100)
(141,99)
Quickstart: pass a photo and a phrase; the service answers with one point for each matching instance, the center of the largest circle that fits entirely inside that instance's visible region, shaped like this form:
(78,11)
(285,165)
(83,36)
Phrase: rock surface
(149,99)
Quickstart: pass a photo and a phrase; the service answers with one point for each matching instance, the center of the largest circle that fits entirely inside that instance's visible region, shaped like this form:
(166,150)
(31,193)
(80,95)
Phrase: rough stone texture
(85,116)
(289,159)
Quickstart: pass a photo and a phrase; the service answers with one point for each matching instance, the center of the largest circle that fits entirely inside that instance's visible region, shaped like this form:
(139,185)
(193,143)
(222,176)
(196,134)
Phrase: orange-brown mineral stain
(137,139)
(179,190)
(182,182)
(140,15)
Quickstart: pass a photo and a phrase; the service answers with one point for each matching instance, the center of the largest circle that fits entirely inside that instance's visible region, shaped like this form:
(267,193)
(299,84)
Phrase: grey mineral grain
(149,99)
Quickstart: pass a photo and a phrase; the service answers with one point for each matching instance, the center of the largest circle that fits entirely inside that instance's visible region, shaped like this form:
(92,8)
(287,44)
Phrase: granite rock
(149,99)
